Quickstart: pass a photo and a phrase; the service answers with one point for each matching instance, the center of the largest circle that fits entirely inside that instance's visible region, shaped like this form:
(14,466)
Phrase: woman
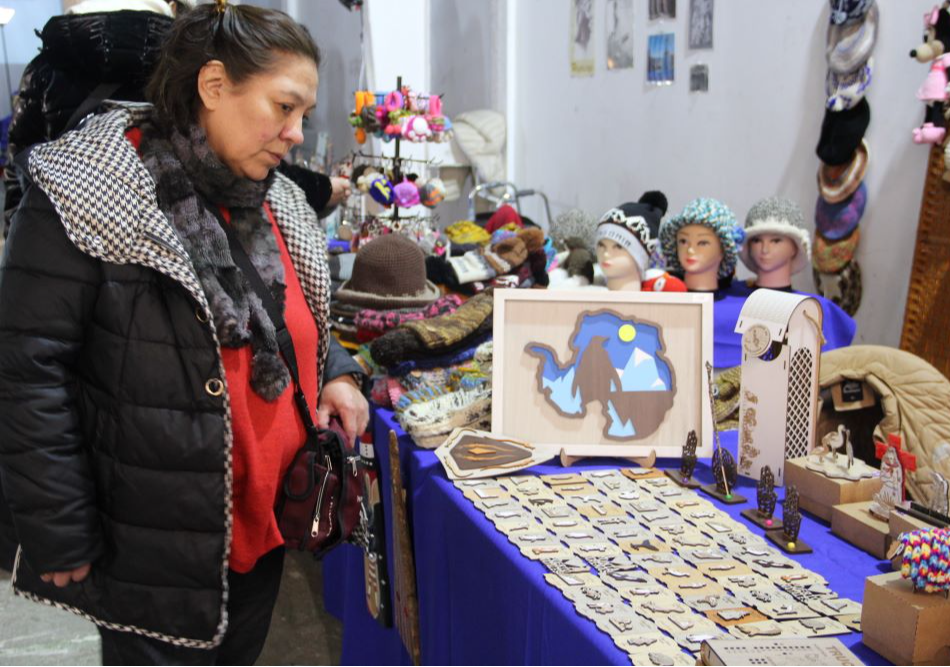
(145,417)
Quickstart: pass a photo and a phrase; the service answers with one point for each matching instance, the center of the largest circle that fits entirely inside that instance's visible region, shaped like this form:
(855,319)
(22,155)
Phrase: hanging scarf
(188,178)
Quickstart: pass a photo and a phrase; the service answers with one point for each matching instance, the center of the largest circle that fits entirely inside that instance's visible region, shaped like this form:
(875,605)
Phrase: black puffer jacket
(115,441)
(80,52)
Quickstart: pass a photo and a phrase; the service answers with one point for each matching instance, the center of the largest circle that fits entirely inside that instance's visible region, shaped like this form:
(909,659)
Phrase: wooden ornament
(684,476)
(765,499)
(894,464)
(787,539)
(724,472)
(778,405)
(406,603)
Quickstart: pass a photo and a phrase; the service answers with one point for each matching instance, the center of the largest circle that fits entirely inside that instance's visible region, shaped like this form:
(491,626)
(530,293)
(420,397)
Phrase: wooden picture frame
(539,403)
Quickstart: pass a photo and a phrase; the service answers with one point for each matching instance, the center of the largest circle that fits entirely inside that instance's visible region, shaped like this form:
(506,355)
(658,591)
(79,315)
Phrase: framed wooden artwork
(602,373)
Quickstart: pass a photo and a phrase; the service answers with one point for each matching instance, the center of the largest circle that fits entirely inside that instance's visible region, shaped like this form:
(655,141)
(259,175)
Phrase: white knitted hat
(776,215)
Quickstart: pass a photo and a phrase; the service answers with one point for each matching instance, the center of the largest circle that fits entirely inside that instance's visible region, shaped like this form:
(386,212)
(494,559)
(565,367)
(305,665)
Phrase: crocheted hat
(389,272)
(842,132)
(844,12)
(837,183)
(844,91)
(833,256)
(843,288)
(634,226)
(776,215)
(835,221)
(709,213)
(849,45)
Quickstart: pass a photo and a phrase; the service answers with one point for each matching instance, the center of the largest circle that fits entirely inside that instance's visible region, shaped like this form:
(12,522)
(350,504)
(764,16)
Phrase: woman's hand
(67,577)
(340,190)
(342,397)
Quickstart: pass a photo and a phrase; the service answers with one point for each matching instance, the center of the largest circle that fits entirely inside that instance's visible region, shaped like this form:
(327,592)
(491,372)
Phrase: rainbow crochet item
(926,559)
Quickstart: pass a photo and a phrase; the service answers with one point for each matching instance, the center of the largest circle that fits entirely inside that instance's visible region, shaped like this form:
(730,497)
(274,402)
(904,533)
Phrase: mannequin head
(772,254)
(626,236)
(700,254)
(777,245)
(702,244)
(618,266)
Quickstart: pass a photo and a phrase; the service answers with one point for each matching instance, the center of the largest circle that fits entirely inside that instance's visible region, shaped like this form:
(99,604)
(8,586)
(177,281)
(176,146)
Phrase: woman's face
(253,125)
(771,252)
(698,249)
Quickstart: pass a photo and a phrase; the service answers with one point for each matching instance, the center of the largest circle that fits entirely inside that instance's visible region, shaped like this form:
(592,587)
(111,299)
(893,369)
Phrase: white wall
(600,141)
(21,41)
(465,54)
(337,32)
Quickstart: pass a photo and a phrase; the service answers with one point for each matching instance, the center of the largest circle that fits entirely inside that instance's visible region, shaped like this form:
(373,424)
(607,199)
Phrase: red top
(266,434)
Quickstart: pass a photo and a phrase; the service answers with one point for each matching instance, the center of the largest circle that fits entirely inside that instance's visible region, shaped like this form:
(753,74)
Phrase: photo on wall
(699,79)
(660,65)
(619,34)
(662,9)
(582,38)
(701,24)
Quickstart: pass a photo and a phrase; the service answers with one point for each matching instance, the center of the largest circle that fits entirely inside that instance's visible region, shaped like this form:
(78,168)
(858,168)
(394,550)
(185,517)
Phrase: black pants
(250,605)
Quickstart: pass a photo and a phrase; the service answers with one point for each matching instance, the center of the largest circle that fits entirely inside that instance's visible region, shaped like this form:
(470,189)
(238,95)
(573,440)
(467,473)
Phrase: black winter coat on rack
(79,52)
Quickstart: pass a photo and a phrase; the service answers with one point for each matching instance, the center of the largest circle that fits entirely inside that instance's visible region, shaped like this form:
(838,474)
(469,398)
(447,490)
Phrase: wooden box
(818,494)
(905,627)
(855,524)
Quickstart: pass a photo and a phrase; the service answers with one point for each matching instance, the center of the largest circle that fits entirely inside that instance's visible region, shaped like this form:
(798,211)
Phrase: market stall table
(482,602)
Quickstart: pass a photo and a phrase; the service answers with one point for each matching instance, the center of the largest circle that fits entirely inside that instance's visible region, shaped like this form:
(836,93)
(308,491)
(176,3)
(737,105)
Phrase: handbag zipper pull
(315,528)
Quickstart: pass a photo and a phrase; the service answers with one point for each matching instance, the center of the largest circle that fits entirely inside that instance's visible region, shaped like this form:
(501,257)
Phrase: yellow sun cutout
(627,333)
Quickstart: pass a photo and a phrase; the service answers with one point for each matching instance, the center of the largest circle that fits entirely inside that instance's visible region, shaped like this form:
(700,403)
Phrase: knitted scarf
(189,178)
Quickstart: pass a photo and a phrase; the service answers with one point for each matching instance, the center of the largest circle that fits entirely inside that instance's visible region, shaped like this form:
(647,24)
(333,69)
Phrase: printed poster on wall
(660,69)
(699,79)
(701,24)
(619,34)
(662,9)
(582,37)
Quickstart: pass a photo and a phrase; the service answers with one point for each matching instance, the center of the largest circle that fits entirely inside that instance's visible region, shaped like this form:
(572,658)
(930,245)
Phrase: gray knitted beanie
(776,215)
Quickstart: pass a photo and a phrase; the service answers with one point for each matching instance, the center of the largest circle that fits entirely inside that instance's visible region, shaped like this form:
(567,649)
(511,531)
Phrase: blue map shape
(609,366)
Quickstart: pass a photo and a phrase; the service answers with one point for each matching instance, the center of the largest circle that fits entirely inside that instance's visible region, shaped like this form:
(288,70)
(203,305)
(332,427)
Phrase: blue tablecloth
(482,602)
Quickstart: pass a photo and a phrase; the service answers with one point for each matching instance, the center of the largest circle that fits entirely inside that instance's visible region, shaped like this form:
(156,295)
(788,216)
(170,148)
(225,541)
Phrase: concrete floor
(301,633)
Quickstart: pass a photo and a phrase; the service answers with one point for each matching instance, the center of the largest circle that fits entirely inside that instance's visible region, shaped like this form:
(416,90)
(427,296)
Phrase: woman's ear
(212,79)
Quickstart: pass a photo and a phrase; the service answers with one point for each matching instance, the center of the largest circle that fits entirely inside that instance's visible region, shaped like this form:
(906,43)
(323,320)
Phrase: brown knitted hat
(389,272)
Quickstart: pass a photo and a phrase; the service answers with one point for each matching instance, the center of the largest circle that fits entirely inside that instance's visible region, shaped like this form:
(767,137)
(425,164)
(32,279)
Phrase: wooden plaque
(602,373)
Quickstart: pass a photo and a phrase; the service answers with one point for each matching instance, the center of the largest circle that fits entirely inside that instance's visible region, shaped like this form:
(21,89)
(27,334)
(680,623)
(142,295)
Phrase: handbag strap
(284,340)
(89,105)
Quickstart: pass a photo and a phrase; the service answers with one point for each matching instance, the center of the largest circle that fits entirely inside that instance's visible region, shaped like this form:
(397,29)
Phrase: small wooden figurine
(684,476)
(827,461)
(787,539)
(766,497)
(725,476)
(894,463)
(723,464)
(939,494)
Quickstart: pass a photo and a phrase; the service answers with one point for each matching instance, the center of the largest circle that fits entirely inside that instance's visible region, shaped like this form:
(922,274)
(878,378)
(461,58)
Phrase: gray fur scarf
(187,174)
